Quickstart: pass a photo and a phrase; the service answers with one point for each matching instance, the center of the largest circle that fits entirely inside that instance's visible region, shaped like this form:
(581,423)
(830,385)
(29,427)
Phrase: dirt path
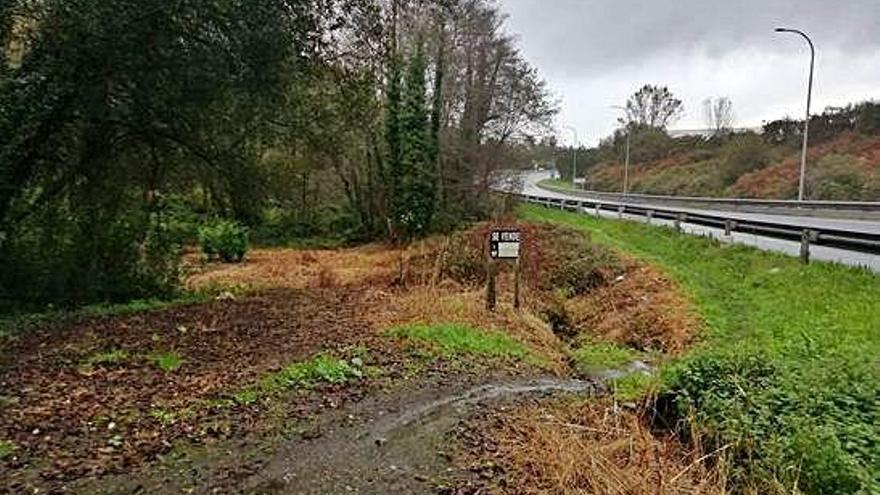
(392,442)
(403,448)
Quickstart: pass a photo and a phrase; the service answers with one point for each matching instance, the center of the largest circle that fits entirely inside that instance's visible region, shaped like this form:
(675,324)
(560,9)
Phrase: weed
(113,356)
(304,374)
(6,449)
(594,357)
(634,387)
(449,339)
(168,417)
(168,362)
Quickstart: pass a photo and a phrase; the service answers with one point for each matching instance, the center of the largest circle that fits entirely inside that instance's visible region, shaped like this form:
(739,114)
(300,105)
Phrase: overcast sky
(594,53)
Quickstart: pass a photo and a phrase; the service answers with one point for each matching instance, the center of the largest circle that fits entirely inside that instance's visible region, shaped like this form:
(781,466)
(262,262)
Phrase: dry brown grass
(577,446)
(643,308)
(452,303)
(293,268)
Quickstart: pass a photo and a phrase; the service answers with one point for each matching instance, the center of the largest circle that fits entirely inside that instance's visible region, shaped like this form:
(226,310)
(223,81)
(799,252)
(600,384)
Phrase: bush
(224,239)
(837,177)
(465,263)
(868,118)
(754,403)
(743,154)
(67,257)
(324,226)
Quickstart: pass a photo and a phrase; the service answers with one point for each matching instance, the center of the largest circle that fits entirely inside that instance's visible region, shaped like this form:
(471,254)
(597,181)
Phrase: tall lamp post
(809,98)
(626,162)
(574,154)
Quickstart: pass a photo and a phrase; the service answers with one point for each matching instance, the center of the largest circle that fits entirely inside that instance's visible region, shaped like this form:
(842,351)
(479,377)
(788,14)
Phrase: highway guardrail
(865,242)
(838,209)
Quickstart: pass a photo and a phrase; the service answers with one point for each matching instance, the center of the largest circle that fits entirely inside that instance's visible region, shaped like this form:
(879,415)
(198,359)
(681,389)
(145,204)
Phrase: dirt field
(158,402)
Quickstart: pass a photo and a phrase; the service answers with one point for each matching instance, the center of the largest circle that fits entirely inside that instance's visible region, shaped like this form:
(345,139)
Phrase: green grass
(450,340)
(319,370)
(6,449)
(788,371)
(593,357)
(168,362)
(634,386)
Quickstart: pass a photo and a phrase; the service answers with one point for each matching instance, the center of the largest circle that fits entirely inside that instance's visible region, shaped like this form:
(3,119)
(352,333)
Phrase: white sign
(504,244)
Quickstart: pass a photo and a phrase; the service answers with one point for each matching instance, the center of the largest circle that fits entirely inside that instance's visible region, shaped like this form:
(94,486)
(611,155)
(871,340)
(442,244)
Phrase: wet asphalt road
(819,253)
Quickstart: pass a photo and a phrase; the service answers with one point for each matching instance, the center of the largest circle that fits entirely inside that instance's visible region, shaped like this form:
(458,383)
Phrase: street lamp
(574,154)
(626,163)
(809,98)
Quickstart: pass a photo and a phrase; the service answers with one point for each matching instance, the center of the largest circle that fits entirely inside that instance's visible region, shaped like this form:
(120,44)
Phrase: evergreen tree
(416,206)
(394,172)
(436,115)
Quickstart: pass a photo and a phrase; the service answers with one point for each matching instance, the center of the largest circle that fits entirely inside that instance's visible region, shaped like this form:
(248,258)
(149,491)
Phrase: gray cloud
(585,36)
(595,53)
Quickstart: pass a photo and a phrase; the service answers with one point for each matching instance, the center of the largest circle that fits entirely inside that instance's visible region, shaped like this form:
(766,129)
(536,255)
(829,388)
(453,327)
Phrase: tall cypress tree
(392,172)
(394,168)
(417,203)
(437,114)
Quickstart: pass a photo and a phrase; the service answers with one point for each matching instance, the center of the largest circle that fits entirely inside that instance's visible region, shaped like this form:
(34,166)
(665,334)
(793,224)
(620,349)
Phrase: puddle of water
(485,393)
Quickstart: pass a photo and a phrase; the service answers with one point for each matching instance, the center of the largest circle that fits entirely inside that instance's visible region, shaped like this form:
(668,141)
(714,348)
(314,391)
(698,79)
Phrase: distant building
(677,133)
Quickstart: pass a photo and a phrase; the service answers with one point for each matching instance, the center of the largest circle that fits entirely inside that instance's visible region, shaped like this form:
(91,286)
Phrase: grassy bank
(786,380)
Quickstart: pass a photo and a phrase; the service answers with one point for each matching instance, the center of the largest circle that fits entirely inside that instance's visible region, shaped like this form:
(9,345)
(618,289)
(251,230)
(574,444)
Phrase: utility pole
(801,185)
(626,162)
(574,153)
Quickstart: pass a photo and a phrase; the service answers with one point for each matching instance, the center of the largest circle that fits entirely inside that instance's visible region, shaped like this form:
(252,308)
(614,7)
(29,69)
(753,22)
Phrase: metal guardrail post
(729,225)
(620,210)
(679,218)
(807,237)
(650,215)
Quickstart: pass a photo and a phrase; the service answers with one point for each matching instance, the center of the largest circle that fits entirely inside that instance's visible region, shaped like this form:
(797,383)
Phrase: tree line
(126,125)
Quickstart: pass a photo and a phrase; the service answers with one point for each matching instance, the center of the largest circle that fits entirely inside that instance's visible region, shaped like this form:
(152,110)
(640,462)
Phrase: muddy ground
(81,422)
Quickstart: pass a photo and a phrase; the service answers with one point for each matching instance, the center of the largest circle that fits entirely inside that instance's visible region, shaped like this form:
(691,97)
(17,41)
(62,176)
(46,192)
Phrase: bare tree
(652,106)
(718,115)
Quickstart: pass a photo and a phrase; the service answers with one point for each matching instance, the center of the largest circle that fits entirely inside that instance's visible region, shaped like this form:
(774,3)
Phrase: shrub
(868,118)
(67,257)
(754,403)
(837,177)
(224,239)
(465,264)
(578,276)
(744,153)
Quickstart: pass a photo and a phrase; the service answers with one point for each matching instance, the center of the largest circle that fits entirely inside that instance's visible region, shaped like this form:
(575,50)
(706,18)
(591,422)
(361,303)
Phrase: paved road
(530,186)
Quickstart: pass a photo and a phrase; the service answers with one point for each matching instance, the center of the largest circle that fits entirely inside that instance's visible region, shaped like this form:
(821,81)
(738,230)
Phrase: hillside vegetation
(843,160)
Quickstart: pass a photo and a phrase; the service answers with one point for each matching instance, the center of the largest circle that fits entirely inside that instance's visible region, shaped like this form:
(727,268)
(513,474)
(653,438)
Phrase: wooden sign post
(503,245)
